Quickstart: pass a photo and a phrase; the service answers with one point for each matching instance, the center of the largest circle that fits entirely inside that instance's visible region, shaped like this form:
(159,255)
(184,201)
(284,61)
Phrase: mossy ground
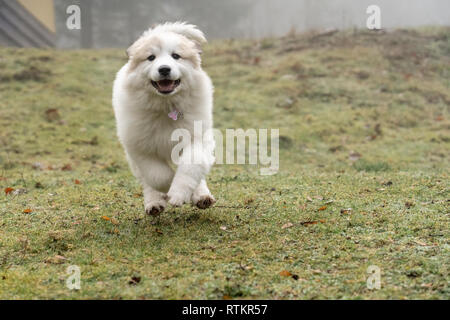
(363,119)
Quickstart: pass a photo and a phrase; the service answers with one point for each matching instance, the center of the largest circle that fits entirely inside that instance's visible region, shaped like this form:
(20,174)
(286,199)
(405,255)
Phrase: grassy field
(363,179)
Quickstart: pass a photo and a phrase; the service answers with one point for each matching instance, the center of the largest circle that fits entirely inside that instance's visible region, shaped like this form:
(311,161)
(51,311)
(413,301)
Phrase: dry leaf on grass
(409,204)
(76,181)
(134,280)
(285,273)
(56,259)
(346,211)
(307,223)
(52,115)
(67,167)
(287,225)
(420,243)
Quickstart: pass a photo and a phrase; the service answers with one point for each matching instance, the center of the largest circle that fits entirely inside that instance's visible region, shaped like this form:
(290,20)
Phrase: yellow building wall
(43,10)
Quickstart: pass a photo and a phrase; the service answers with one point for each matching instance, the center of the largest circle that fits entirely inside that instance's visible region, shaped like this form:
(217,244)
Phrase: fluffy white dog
(163,88)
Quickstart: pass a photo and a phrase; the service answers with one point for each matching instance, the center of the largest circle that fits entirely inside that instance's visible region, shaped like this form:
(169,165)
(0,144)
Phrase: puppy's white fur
(144,127)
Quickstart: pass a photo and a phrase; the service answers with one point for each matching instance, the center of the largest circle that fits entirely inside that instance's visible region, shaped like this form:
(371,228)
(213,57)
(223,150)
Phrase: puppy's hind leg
(202,197)
(156,177)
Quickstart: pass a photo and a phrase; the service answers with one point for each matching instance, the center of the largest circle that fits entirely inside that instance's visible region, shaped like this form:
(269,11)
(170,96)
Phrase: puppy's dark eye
(176,56)
(151,58)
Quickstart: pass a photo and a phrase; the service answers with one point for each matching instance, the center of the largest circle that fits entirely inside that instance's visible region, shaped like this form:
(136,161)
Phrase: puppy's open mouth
(166,86)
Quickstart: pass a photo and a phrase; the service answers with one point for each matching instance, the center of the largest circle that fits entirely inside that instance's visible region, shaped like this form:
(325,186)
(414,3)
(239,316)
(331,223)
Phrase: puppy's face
(165,59)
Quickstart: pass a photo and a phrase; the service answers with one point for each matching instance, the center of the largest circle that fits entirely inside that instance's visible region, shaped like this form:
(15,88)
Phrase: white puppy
(163,88)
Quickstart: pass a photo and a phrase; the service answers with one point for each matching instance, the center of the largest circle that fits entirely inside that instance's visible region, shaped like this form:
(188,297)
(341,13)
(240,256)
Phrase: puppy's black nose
(164,71)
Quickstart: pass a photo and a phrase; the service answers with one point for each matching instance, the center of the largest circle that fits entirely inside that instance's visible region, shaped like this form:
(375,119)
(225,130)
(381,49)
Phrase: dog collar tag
(174,115)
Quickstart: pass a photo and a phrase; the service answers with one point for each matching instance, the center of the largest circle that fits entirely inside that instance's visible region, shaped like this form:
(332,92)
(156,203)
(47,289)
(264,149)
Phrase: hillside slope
(363,179)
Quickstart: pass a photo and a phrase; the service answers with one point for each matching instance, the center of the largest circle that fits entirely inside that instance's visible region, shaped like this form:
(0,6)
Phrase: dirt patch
(30,73)
(404,49)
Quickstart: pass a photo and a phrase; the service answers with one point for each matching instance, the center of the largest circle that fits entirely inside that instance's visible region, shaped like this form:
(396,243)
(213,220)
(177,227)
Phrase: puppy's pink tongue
(166,85)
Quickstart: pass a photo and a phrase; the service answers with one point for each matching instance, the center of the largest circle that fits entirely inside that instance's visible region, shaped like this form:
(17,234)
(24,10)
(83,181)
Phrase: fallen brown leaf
(285,273)
(67,167)
(134,280)
(307,223)
(248,201)
(76,181)
(52,114)
(409,204)
(420,243)
(56,259)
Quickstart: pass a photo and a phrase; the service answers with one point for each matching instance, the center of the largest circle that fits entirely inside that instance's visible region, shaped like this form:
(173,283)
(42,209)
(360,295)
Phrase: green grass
(364,124)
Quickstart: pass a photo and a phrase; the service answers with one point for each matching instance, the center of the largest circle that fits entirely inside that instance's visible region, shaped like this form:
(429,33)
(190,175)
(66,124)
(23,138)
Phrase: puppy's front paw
(155,208)
(178,198)
(205,202)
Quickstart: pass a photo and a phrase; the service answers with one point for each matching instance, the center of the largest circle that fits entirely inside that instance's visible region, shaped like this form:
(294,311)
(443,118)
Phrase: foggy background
(116,23)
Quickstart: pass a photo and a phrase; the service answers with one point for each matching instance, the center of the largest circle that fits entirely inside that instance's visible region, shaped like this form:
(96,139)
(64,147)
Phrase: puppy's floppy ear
(134,48)
(190,31)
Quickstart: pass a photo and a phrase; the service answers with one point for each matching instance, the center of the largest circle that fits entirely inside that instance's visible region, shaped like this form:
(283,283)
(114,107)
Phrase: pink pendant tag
(173,115)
